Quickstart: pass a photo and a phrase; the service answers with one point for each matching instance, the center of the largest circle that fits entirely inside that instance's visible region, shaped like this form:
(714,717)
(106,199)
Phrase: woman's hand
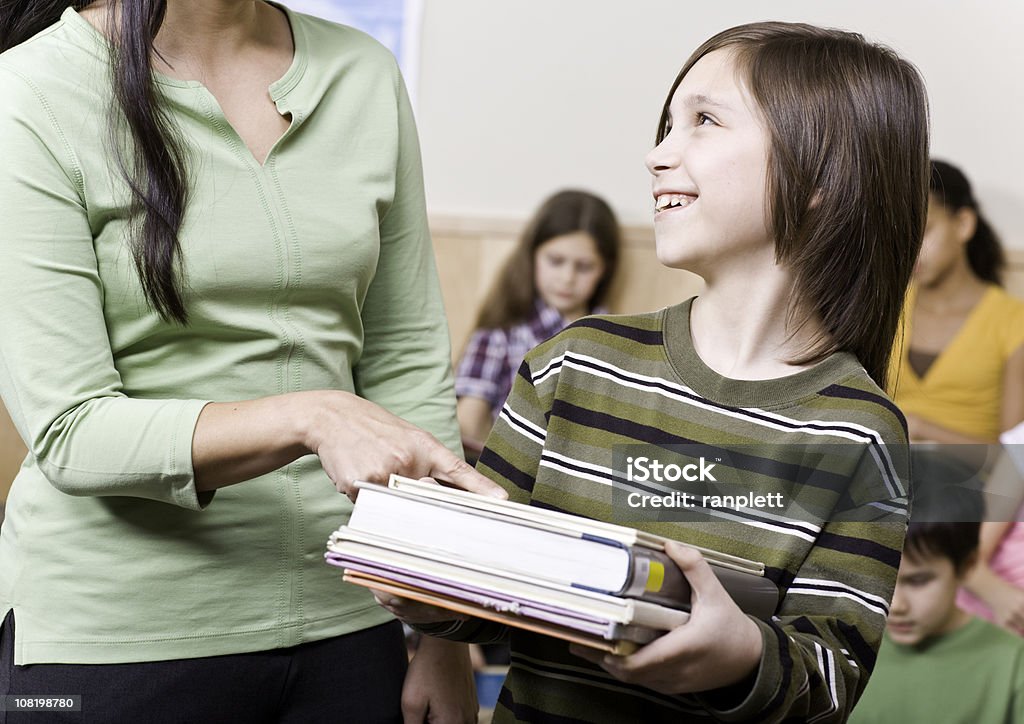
(355,439)
(359,440)
(1004,598)
(719,646)
(439,685)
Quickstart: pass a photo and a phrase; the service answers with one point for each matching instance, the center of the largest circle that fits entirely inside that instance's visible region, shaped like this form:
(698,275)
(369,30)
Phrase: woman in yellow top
(960,374)
(961,369)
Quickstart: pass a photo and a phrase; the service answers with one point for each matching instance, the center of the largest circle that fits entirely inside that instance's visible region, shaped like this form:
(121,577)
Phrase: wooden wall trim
(452,226)
(470,249)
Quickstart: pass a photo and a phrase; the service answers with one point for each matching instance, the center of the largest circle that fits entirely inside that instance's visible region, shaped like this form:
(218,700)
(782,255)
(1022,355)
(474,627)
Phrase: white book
(542,546)
(354,546)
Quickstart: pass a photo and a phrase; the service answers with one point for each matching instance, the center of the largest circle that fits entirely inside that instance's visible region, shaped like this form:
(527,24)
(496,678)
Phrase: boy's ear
(967,564)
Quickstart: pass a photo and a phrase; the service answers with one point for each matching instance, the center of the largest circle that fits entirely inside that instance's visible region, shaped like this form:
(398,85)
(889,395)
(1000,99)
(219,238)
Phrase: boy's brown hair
(847,188)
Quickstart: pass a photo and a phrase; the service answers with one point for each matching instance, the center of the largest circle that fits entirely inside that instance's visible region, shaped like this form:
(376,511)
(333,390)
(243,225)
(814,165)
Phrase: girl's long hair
(145,142)
(847,185)
(512,295)
(950,187)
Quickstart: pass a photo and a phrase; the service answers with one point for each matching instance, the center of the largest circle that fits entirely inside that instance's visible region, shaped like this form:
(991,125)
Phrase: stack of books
(585,581)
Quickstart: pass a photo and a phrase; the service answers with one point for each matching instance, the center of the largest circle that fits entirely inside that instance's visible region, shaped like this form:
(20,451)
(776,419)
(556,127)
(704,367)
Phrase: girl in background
(560,271)
(959,371)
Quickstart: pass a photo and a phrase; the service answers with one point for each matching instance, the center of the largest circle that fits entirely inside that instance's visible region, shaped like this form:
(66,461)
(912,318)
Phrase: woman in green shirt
(219,308)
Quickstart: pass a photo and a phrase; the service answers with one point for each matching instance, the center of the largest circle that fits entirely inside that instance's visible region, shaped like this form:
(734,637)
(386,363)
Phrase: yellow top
(962,390)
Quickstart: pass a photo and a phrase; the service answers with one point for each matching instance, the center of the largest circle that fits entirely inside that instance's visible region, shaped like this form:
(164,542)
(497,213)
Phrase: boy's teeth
(666,200)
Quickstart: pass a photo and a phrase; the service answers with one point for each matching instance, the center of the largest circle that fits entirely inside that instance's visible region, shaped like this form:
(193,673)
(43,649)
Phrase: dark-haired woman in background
(218,302)
(560,270)
(959,375)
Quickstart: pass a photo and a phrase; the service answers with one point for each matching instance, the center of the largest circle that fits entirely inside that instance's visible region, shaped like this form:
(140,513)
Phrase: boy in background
(938,663)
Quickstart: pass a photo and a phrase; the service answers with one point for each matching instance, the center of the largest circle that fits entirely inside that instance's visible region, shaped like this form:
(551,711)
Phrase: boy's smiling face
(710,172)
(924,602)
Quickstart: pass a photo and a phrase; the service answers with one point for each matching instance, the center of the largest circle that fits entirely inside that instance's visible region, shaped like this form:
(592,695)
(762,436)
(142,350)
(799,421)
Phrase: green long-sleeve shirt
(311,271)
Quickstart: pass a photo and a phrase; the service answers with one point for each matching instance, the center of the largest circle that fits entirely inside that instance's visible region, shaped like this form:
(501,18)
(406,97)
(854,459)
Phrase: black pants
(349,679)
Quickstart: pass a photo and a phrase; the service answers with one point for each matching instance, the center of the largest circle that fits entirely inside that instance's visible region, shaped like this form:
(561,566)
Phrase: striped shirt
(609,381)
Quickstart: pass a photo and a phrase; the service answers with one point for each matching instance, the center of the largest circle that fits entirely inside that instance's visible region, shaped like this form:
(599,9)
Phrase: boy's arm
(820,648)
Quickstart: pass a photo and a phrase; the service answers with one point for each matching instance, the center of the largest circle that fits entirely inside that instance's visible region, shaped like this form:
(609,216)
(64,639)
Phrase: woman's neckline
(277,89)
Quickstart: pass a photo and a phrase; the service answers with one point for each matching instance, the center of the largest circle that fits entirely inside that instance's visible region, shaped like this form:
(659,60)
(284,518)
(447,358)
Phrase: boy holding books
(938,662)
(806,242)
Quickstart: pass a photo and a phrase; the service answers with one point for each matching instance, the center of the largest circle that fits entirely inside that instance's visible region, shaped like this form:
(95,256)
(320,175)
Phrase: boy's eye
(918,580)
(703,119)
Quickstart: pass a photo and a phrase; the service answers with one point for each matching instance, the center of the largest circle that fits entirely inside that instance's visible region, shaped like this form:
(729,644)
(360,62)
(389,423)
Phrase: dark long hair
(511,297)
(847,175)
(145,141)
(950,187)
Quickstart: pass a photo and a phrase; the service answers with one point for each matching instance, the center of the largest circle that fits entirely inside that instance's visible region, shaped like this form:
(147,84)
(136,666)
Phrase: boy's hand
(414,612)
(719,646)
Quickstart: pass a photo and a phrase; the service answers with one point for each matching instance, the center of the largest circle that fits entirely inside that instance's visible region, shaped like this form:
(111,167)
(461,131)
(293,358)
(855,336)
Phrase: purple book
(498,601)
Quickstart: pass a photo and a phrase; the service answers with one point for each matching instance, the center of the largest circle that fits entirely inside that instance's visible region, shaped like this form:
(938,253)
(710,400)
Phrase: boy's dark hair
(947,509)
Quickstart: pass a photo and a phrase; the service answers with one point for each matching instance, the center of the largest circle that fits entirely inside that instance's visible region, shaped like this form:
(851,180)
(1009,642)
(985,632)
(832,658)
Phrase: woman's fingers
(450,468)
(360,440)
